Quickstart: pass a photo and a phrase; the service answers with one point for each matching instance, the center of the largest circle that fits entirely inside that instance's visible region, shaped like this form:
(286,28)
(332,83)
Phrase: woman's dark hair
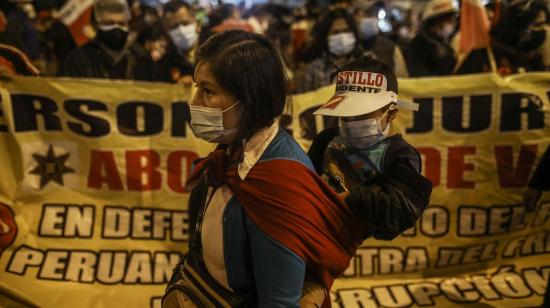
(369,64)
(321,30)
(248,66)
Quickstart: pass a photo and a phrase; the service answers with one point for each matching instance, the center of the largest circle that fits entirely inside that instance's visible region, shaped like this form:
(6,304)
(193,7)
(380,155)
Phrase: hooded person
(430,52)
(376,172)
(111,53)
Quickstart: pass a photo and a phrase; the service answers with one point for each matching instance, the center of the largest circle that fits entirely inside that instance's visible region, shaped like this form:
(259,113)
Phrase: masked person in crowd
(176,65)
(19,28)
(336,42)
(110,54)
(519,35)
(430,52)
(374,169)
(261,220)
(376,43)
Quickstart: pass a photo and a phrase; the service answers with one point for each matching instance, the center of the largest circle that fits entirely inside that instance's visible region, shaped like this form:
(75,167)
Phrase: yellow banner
(92,207)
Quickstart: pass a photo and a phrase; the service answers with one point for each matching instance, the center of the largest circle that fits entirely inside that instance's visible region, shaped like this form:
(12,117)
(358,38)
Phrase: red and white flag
(474,26)
(76,15)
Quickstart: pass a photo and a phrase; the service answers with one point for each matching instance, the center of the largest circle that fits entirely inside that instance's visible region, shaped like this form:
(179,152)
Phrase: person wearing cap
(430,52)
(111,54)
(376,172)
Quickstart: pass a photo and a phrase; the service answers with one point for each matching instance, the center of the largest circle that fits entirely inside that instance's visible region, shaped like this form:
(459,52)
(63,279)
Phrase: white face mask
(368,27)
(207,123)
(363,134)
(341,44)
(184,37)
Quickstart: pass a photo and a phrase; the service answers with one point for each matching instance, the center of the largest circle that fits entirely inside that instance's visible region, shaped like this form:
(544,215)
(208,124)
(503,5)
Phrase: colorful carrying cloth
(295,207)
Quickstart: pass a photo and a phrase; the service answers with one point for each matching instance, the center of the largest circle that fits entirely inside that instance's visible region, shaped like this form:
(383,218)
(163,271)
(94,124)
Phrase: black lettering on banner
(54,265)
(459,290)
(514,106)
(89,125)
(180,117)
(359,297)
(81,266)
(23,257)
(528,245)
(165,262)
(385,260)
(156,302)
(453,256)
(504,283)
(27,109)
(537,279)
(485,288)
(111,267)
(542,215)
(509,283)
(392,296)
(423,118)
(479,115)
(121,222)
(416,259)
(423,292)
(435,221)
(138,268)
(107,267)
(67,220)
(478,221)
(140,118)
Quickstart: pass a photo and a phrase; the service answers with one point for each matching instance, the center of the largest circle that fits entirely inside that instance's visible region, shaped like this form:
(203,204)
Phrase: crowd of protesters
(155,40)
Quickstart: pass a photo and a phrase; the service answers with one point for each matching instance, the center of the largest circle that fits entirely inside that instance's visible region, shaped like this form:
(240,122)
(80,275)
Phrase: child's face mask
(363,134)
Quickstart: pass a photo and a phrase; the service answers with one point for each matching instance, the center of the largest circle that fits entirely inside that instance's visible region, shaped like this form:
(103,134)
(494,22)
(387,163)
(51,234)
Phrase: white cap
(359,93)
(439,7)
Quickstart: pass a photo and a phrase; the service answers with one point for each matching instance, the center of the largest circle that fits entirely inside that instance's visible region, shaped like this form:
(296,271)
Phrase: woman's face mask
(184,37)
(363,134)
(207,124)
(341,44)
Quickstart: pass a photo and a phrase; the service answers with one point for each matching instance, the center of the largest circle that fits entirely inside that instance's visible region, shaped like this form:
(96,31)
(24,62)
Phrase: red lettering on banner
(354,77)
(457,166)
(518,176)
(136,169)
(176,175)
(432,164)
(103,170)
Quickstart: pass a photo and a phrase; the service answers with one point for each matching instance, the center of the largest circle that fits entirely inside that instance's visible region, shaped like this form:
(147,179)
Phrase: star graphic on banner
(51,167)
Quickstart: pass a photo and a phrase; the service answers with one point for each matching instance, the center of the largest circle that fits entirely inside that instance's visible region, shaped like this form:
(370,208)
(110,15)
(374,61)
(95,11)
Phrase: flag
(474,26)
(76,15)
